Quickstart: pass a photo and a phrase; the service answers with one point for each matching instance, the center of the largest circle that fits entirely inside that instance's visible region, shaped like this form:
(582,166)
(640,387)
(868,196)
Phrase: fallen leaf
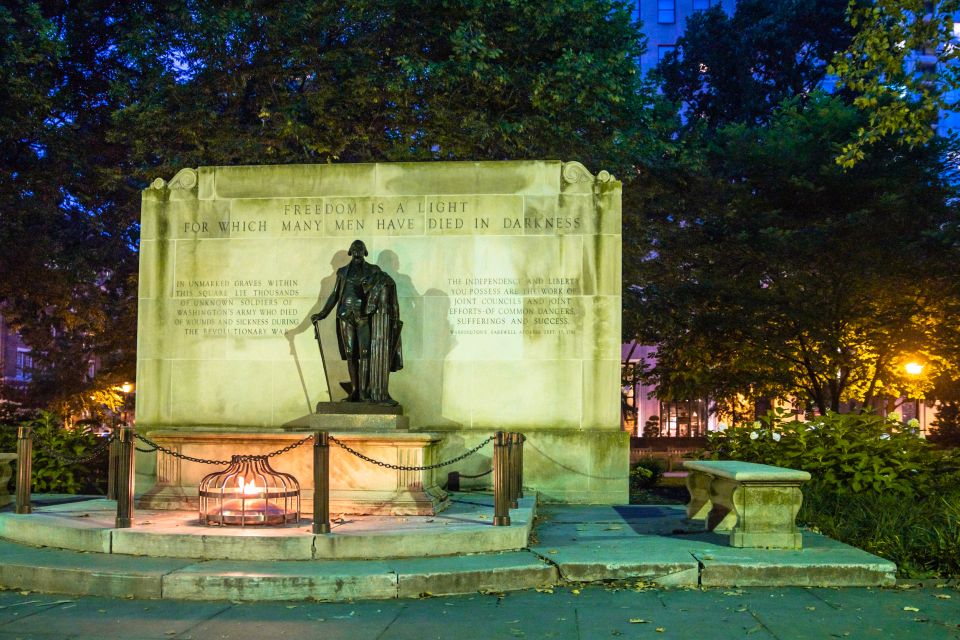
(552,551)
(637,621)
(659,629)
(942,596)
(811,608)
(910,609)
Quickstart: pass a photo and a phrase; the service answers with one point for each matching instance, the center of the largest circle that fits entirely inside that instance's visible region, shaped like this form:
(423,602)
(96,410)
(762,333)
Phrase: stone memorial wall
(508,276)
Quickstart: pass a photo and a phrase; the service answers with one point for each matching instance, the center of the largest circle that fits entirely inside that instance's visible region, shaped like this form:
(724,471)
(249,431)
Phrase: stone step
(464,528)
(112,575)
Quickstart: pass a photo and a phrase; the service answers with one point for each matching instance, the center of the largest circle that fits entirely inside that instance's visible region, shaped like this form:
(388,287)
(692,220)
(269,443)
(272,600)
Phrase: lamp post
(914,369)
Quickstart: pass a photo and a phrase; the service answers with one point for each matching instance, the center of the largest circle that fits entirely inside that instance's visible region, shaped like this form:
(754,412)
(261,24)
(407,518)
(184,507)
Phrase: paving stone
(114,618)
(356,621)
(58,571)
(515,615)
(821,562)
(465,574)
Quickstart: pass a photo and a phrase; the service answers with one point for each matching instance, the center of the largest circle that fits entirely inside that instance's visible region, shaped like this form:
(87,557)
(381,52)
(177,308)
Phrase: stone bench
(756,503)
(6,472)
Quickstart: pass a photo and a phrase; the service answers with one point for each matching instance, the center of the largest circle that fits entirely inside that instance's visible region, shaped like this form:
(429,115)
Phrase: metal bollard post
(125,477)
(513,445)
(321,482)
(24,468)
(112,453)
(501,481)
(520,440)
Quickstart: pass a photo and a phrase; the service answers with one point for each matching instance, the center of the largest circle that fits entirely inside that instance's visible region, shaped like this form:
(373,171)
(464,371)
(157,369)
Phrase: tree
(307,81)
(101,97)
(902,67)
(739,68)
(777,273)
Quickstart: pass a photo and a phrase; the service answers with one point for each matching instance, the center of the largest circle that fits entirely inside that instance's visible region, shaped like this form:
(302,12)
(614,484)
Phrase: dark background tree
(738,68)
(100,97)
(767,270)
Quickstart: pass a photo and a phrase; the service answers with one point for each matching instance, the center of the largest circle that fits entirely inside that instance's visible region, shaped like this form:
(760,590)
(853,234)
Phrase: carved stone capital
(575,173)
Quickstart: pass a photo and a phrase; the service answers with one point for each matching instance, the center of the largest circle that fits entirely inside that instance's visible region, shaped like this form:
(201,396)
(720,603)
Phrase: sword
(323,360)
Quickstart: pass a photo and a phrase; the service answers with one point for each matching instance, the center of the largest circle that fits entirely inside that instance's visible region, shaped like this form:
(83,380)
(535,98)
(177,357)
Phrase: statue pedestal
(354,417)
(356,486)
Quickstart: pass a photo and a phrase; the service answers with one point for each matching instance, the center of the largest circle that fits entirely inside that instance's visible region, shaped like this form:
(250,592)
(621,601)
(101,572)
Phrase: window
(701,5)
(684,419)
(666,11)
(24,364)
(663,50)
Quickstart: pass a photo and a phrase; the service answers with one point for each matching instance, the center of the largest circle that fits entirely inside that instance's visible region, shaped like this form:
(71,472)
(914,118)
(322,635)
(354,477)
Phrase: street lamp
(915,369)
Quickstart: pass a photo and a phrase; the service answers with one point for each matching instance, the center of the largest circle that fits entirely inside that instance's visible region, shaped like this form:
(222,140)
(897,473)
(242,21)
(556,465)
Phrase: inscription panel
(232,276)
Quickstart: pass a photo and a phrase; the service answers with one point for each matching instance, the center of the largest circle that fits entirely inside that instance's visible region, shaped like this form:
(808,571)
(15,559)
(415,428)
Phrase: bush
(646,473)
(845,453)
(49,474)
(862,468)
(922,535)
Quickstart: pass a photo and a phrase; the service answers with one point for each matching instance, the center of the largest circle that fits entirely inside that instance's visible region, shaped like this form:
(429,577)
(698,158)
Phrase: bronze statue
(386,354)
(368,326)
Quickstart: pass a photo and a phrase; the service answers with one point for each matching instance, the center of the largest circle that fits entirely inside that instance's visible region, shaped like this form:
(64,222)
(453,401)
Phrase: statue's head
(358,250)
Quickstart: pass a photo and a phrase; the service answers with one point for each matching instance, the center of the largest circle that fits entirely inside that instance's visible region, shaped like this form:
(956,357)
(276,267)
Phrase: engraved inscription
(235,308)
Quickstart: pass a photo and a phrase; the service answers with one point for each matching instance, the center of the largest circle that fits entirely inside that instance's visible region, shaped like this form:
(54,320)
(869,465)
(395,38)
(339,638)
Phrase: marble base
(359,408)
(358,423)
(356,486)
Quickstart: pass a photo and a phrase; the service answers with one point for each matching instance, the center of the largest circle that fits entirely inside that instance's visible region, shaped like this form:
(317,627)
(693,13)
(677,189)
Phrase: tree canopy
(739,67)
(767,269)
(902,69)
(100,97)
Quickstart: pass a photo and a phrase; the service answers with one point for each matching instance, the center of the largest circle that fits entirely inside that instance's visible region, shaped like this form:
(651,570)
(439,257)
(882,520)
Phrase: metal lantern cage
(249,492)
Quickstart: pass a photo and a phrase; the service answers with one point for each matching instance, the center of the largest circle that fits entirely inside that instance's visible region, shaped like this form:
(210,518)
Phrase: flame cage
(249,492)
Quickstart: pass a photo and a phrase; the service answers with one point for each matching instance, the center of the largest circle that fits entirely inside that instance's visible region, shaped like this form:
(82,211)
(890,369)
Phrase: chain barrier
(479,475)
(401,467)
(93,455)
(177,454)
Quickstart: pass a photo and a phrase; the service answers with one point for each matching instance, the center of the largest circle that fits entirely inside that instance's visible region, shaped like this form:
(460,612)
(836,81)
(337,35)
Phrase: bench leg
(766,516)
(698,485)
(723,514)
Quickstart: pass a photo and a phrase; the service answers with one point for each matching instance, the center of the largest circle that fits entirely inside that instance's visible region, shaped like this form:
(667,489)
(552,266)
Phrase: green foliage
(646,473)
(769,271)
(49,474)
(844,453)
(875,484)
(921,535)
(102,97)
(740,67)
(882,67)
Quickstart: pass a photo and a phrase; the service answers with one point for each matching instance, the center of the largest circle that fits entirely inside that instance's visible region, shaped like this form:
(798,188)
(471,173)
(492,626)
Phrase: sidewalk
(581,613)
